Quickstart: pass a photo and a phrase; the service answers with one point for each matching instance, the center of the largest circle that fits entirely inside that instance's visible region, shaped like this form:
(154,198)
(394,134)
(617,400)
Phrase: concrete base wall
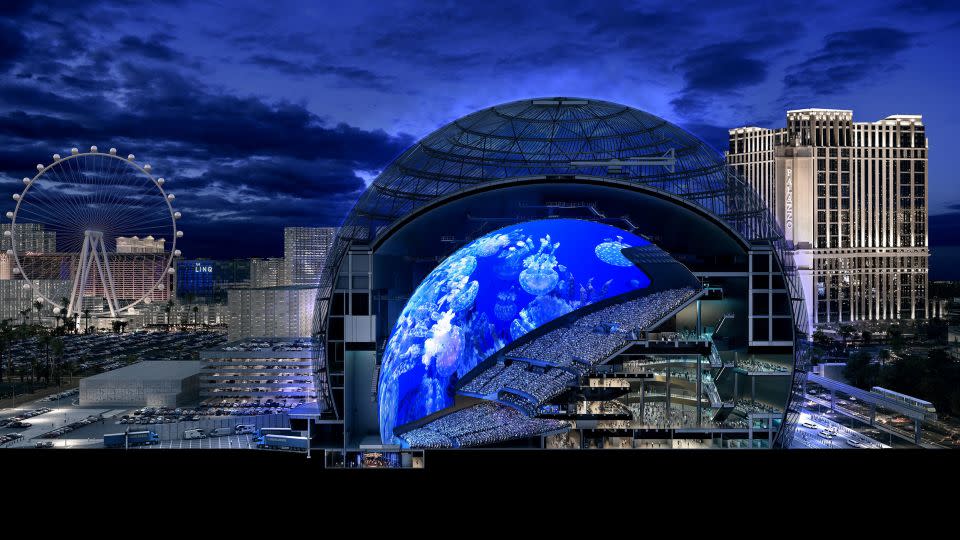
(139,393)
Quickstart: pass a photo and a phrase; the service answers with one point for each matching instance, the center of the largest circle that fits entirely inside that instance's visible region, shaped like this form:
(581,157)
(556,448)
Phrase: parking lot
(87,354)
(61,423)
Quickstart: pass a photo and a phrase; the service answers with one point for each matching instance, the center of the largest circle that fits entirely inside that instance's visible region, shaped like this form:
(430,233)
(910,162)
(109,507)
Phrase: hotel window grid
(867,243)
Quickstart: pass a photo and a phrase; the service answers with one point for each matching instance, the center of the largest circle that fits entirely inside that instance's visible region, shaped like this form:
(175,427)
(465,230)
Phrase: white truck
(194,434)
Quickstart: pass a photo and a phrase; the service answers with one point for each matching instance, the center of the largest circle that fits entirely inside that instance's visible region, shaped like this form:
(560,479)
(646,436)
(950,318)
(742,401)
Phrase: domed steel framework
(552,137)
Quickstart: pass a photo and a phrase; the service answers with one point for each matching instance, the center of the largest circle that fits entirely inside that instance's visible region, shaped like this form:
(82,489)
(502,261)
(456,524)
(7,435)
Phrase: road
(819,432)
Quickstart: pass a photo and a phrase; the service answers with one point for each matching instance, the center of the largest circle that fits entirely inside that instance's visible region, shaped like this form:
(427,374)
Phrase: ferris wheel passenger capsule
(16,196)
(56,157)
(170,197)
(16,270)
(130,157)
(170,270)
(10,252)
(9,215)
(113,151)
(176,253)
(160,181)
(177,215)
(147,167)
(39,166)
(7,233)
(179,234)
(74,150)
(93,148)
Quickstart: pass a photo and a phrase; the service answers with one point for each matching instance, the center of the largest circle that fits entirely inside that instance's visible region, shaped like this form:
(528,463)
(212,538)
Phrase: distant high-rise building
(305,251)
(267,272)
(135,244)
(16,296)
(31,238)
(207,280)
(271,312)
(851,198)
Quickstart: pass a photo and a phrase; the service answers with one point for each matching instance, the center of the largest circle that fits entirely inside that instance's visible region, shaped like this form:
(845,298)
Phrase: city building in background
(30,237)
(211,315)
(304,252)
(851,198)
(285,312)
(268,272)
(258,369)
(134,244)
(15,296)
(207,280)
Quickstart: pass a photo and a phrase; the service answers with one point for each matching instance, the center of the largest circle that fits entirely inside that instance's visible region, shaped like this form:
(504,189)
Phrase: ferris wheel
(102,223)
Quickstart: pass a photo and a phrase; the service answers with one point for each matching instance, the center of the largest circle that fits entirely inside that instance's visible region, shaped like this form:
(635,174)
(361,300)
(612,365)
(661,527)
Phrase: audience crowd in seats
(581,343)
(483,423)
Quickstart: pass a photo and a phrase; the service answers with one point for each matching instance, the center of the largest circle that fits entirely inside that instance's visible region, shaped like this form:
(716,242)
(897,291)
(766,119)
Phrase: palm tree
(845,332)
(86,319)
(56,316)
(883,356)
(196,311)
(38,305)
(168,308)
(5,339)
(24,313)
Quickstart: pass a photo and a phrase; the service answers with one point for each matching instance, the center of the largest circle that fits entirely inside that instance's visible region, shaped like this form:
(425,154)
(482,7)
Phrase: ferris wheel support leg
(112,294)
(107,291)
(80,279)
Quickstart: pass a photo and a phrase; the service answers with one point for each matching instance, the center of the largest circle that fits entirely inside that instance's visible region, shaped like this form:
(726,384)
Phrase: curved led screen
(489,293)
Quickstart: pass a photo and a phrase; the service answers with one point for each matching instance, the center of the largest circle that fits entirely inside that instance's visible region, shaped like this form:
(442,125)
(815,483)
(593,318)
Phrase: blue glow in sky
(279,113)
(489,293)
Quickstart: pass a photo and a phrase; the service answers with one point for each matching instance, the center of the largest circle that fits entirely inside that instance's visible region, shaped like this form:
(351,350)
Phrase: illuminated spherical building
(557,272)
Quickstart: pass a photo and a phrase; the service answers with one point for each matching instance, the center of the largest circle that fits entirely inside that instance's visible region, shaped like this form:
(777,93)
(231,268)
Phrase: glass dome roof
(536,137)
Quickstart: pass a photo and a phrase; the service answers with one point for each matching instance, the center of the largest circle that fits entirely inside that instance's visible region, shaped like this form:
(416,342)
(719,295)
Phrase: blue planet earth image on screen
(489,293)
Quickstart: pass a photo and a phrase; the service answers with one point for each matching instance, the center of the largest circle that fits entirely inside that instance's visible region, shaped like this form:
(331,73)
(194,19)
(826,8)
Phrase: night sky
(266,114)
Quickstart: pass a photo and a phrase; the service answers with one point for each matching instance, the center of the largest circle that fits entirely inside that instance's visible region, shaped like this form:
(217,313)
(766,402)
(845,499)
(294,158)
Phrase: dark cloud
(722,67)
(155,47)
(350,76)
(12,45)
(722,71)
(847,58)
